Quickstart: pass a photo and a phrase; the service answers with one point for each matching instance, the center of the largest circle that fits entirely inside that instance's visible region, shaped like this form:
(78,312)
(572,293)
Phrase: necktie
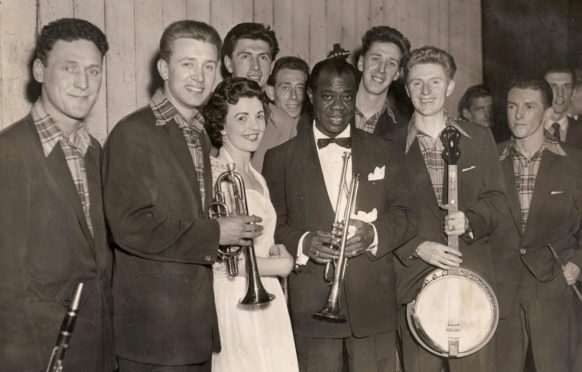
(556,128)
(343,142)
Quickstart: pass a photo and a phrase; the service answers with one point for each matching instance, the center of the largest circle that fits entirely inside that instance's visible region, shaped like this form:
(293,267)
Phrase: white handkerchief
(469,168)
(556,192)
(378,174)
(368,217)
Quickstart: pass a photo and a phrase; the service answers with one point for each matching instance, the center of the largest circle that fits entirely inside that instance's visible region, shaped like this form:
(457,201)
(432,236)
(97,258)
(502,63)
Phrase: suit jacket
(574,134)
(46,248)
(481,198)
(165,245)
(554,217)
(386,126)
(298,192)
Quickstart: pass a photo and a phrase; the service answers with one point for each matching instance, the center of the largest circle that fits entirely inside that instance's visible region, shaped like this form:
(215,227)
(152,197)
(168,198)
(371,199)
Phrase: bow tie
(343,142)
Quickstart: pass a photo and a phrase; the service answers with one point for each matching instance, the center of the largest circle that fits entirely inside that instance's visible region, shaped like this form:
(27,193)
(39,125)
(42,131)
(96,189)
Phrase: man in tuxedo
(248,51)
(556,119)
(157,186)
(52,230)
(303,176)
(428,73)
(544,191)
(382,50)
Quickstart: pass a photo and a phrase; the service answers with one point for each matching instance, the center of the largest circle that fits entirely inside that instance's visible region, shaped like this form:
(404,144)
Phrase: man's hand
(571,273)
(239,230)
(456,224)
(361,240)
(439,255)
(318,246)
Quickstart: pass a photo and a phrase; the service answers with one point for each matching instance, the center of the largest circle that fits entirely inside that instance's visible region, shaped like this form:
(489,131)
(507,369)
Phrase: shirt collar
(319,134)
(413,130)
(385,108)
(548,122)
(50,132)
(549,144)
(164,111)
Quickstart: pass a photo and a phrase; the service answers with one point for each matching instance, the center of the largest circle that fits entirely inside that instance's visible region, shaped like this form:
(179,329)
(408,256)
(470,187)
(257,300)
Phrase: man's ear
(361,63)
(397,74)
(466,114)
(38,70)
(450,87)
(310,95)
(163,69)
(270,92)
(407,91)
(228,64)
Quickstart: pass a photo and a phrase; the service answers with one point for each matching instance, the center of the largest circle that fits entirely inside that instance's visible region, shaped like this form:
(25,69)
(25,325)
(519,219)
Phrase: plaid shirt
(164,111)
(369,125)
(74,147)
(432,153)
(526,171)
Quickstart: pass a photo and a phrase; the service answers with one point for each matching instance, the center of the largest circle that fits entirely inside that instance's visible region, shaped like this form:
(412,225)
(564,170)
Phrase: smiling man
(52,230)
(556,119)
(429,73)
(157,186)
(303,176)
(544,191)
(383,48)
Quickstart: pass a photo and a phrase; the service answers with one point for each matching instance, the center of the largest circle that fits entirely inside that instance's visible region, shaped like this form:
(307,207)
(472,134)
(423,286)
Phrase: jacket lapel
(311,168)
(512,197)
(63,181)
(418,174)
(178,146)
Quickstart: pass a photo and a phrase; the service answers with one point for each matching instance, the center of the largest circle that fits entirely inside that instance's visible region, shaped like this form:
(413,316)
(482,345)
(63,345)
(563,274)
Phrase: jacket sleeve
(274,173)
(130,190)
(488,210)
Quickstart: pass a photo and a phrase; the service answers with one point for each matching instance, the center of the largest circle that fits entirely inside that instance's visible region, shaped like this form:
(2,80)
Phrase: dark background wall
(524,37)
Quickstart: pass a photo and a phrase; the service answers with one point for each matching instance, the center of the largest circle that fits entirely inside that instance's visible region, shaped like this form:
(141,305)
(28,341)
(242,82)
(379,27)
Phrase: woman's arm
(279,263)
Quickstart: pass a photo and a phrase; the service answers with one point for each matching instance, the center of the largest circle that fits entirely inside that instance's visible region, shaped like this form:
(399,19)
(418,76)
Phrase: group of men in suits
(151,185)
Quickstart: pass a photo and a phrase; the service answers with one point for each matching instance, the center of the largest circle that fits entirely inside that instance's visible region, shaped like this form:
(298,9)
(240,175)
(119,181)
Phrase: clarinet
(56,361)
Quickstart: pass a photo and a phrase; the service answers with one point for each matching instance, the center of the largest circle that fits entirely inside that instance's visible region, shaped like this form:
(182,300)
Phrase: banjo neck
(452,202)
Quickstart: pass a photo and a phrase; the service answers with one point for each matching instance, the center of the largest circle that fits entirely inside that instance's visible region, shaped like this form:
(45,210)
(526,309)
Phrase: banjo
(456,312)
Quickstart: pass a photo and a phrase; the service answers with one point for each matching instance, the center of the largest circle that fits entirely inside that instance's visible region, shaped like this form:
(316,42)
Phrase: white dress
(253,338)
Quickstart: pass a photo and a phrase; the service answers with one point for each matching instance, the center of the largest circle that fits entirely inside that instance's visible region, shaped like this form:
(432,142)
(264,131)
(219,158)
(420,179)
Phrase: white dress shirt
(331,162)
(563,122)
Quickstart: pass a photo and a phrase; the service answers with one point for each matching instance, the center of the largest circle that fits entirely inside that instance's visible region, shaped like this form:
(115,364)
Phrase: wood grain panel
(349,25)
(263,11)
(172,10)
(377,12)
(334,24)
(198,10)
(317,32)
(221,16)
(300,45)
(17,34)
(283,26)
(149,26)
(121,91)
(94,12)
(242,11)
(49,10)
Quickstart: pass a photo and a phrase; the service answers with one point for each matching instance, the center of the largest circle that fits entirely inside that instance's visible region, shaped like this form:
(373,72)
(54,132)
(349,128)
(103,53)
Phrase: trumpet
(55,363)
(256,293)
(332,310)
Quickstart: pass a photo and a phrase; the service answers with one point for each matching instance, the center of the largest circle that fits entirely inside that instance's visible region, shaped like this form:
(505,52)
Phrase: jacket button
(522,251)
(208,258)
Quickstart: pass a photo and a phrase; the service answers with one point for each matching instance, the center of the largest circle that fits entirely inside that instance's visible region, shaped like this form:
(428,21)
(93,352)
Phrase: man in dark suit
(52,230)
(383,48)
(429,73)
(157,187)
(544,190)
(556,119)
(303,175)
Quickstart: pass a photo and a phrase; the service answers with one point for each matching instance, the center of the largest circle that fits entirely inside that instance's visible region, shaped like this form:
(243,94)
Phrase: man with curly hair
(53,232)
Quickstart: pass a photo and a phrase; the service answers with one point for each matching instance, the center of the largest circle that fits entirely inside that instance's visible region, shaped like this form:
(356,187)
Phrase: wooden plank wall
(306,28)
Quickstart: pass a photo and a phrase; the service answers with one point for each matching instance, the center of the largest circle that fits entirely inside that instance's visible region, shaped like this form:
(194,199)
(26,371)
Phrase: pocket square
(556,192)
(468,169)
(368,217)
(378,174)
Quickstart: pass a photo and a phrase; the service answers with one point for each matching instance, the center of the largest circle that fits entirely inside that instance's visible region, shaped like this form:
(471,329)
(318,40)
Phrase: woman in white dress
(253,338)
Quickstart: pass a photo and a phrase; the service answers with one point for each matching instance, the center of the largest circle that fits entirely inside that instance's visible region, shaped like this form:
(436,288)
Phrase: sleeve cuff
(301,259)
(373,248)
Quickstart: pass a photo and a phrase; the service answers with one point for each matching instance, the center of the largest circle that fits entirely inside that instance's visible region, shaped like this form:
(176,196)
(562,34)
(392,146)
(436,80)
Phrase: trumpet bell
(331,312)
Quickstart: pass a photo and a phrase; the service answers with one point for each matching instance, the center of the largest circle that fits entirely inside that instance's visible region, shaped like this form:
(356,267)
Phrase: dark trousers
(126,365)
(418,359)
(367,354)
(544,322)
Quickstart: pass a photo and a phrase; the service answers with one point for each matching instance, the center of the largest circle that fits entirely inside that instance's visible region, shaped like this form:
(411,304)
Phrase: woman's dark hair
(228,92)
